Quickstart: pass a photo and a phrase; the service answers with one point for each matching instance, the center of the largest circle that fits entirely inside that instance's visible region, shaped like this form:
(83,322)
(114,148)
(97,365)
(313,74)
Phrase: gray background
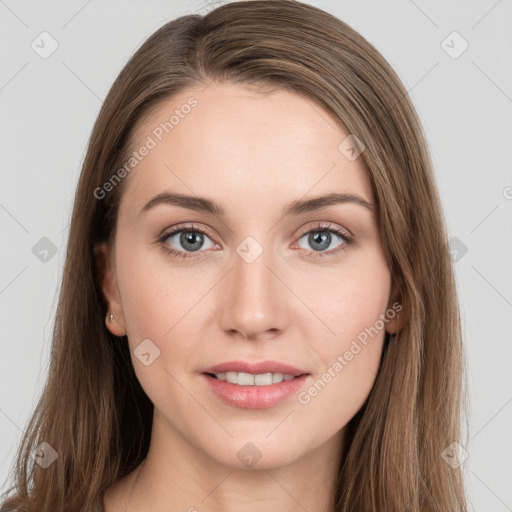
(49,106)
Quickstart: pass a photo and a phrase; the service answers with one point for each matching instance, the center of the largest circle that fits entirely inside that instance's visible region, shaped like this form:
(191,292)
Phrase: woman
(258,307)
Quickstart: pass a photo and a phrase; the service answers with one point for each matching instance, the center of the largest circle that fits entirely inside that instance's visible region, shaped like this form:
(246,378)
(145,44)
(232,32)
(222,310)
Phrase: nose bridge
(253,302)
(252,262)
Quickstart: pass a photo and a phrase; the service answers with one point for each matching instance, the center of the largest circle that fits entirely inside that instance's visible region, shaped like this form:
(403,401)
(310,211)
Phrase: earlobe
(114,320)
(395,323)
(395,312)
(114,326)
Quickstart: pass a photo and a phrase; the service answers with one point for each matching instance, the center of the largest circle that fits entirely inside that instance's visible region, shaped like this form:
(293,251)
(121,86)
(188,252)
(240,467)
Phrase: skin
(252,154)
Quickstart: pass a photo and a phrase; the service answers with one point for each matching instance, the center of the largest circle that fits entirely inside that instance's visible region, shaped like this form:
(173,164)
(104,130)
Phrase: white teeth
(248,379)
(264,379)
(245,379)
(232,377)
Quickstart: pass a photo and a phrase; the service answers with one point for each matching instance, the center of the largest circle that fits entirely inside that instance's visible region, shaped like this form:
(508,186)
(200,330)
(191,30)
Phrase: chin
(258,452)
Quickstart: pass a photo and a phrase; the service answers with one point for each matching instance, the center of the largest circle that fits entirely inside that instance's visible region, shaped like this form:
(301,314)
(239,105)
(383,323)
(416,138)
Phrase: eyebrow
(202,204)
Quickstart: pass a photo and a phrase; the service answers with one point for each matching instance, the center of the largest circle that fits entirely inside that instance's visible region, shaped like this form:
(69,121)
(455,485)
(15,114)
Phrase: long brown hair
(93,411)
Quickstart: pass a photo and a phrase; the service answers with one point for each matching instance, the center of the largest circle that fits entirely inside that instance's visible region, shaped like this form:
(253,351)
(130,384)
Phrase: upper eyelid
(328,226)
(179,228)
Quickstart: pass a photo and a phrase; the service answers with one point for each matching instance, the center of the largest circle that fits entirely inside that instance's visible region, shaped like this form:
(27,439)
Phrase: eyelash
(319,227)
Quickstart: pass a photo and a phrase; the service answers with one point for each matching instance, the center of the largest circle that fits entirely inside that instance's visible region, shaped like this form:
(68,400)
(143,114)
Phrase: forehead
(243,148)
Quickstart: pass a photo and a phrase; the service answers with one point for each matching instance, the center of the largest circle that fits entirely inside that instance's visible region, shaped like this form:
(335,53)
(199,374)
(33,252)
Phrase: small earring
(111,317)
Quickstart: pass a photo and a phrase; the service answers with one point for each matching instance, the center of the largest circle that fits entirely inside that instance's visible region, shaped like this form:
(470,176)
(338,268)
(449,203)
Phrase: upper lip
(255,368)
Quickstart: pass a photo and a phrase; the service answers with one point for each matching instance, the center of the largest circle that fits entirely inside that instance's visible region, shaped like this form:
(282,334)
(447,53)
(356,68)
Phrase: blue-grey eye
(189,240)
(320,240)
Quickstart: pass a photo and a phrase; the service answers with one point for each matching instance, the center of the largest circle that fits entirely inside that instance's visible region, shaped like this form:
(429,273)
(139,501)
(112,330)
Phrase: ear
(105,259)
(395,311)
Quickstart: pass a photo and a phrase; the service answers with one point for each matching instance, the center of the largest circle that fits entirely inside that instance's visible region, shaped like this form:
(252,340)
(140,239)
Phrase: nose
(253,298)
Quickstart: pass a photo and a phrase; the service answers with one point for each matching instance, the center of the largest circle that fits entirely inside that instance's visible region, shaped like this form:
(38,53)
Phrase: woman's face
(253,281)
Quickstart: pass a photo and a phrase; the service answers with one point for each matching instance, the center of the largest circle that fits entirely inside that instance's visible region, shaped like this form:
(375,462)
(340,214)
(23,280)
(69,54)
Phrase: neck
(177,475)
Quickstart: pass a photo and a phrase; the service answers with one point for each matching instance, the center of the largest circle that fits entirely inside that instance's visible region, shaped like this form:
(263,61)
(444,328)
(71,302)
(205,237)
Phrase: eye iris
(320,237)
(188,238)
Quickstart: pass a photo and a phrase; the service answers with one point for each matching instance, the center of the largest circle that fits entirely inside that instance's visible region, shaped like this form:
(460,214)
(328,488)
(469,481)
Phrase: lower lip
(254,397)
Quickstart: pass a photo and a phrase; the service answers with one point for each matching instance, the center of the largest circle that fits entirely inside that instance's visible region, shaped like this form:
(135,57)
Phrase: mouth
(254,385)
(249,379)
(242,372)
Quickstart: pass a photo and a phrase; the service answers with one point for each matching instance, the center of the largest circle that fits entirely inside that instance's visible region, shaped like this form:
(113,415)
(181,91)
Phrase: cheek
(160,303)
(351,307)
(155,293)
(350,299)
